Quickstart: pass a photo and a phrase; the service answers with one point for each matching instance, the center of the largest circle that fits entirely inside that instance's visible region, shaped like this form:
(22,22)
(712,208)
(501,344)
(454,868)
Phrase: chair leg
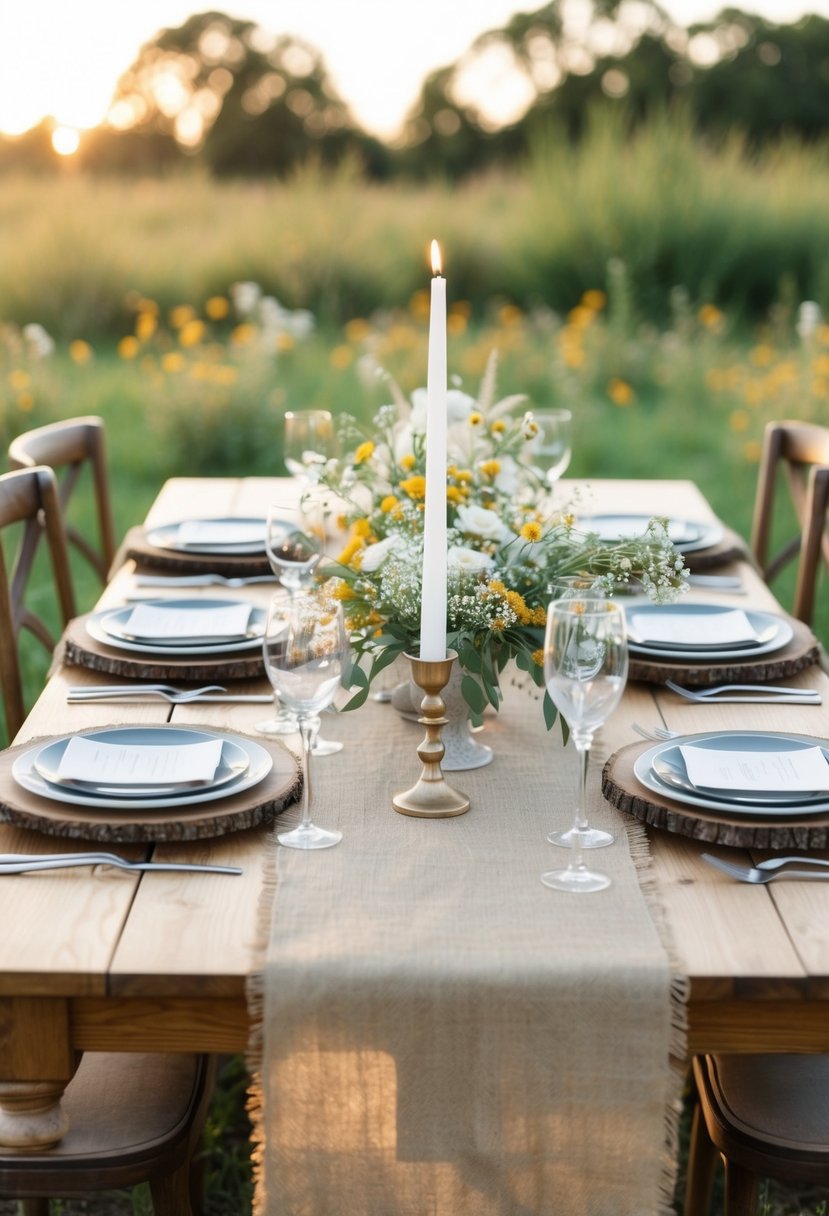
(171,1195)
(34,1207)
(740,1191)
(703,1159)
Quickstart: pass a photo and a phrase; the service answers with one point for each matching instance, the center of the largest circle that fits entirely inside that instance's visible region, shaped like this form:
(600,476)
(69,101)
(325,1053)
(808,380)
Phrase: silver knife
(12,863)
(135,694)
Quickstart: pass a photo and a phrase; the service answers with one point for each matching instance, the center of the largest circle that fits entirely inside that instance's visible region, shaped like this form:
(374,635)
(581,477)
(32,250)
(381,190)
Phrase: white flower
(480,521)
(374,555)
(508,480)
(245,297)
(467,561)
(458,407)
(41,345)
(808,319)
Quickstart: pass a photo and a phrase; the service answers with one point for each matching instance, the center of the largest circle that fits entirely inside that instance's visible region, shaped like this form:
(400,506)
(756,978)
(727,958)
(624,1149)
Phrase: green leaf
(473,694)
(551,713)
(469,658)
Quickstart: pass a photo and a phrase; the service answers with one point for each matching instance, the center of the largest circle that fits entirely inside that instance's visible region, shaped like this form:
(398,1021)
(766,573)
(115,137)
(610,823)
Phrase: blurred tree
(239,100)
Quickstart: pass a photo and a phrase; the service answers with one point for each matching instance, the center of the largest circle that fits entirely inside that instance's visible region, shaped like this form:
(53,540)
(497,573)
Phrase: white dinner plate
(233,762)
(734,740)
(759,621)
(260,763)
(166,537)
(110,628)
(688,536)
(115,624)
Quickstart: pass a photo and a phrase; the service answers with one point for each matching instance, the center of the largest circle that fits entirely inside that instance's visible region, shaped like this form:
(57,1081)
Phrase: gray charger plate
(164,537)
(109,627)
(760,622)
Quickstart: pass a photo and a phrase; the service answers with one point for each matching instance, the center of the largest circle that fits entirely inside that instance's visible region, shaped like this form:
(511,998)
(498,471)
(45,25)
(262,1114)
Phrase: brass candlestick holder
(431,797)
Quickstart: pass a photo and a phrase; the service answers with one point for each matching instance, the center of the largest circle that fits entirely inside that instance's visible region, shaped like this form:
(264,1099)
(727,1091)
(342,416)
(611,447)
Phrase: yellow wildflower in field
(19,379)
(762,355)
(414,487)
(580,317)
(341,357)
(751,450)
(80,351)
(364,452)
(285,341)
(820,387)
(191,333)
(226,374)
(173,362)
(710,317)
(820,365)
(531,531)
(128,347)
(594,299)
(510,316)
(456,325)
(243,334)
(419,304)
(26,401)
(181,314)
(490,468)
(357,329)
(146,323)
(217,308)
(739,420)
(620,392)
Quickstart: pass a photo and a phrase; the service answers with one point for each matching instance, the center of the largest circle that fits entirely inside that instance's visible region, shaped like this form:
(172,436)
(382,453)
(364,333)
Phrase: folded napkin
(624,527)
(221,532)
(90,760)
(799,770)
(731,626)
(156,621)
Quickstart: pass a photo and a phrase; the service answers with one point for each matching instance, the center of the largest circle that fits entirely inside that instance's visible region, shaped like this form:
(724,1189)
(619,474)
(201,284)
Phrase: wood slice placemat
(801,652)
(82,650)
(185,821)
(148,556)
(730,548)
(762,831)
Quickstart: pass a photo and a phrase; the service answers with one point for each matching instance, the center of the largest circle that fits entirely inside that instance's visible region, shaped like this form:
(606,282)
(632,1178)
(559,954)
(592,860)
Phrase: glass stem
(582,745)
(307,729)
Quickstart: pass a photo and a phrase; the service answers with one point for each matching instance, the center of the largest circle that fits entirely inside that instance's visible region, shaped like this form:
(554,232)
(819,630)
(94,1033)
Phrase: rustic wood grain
(730,548)
(620,787)
(802,651)
(188,821)
(82,650)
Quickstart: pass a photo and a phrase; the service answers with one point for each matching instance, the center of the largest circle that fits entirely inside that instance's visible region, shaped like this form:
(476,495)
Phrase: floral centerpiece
(506,543)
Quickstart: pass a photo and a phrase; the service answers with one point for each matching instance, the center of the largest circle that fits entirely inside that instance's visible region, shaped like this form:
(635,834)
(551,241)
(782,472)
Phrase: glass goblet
(585,670)
(307,442)
(293,546)
(552,446)
(282,721)
(306,654)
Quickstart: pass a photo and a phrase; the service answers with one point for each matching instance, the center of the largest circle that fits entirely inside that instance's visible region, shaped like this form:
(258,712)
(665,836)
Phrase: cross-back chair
(70,447)
(28,497)
(798,452)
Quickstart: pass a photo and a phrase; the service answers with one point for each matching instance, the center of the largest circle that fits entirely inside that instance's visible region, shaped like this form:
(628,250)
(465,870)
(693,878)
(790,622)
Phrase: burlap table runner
(440,1033)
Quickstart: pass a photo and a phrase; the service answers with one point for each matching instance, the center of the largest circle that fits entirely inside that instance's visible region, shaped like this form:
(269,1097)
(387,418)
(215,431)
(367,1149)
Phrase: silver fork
(776,694)
(655,733)
(12,863)
(754,874)
(202,580)
(95,692)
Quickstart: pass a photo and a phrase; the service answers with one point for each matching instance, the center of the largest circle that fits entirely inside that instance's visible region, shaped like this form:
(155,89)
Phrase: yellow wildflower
(361,528)
(456,325)
(620,392)
(414,487)
(173,361)
(388,503)
(407,462)
(191,333)
(19,380)
(364,452)
(456,494)
(352,547)
(243,335)
(594,299)
(80,351)
(217,308)
(710,316)
(342,591)
(475,418)
(531,531)
(357,330)
(285,341)
(341,357)
(146,324)
(490,468)
(25,402)
(538,657)
(497,587)
(498,427)
(739,420)
(181,315)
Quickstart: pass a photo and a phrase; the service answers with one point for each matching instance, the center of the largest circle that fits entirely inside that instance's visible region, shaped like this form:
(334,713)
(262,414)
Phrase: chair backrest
(69,447)
(801,451)
(28,497)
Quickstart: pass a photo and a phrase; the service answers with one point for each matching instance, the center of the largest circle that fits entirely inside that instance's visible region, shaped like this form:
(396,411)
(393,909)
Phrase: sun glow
(66,140)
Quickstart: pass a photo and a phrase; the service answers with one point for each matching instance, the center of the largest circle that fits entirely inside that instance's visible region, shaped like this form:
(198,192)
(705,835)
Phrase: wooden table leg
(36,1064)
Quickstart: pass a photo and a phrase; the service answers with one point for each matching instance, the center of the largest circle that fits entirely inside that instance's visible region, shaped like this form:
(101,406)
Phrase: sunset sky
(63,60)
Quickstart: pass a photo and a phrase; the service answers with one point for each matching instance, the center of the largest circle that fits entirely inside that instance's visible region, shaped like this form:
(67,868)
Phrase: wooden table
(109,961)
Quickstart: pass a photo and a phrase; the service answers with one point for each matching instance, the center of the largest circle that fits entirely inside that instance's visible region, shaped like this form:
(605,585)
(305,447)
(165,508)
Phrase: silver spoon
(24,864)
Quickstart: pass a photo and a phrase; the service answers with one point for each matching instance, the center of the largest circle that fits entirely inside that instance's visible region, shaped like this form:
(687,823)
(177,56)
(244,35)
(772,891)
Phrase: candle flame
(436,262)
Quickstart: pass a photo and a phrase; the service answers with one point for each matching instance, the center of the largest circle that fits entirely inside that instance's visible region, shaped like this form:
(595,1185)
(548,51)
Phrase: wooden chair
(70,447)
(28,497)
(767,1117)
(802,450)
(132,1118)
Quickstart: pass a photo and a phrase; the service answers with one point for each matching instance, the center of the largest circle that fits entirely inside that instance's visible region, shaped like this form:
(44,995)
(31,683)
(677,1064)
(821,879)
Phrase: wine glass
(307,442)
(552,446)
(306,652)
(294,545)
(585,670)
